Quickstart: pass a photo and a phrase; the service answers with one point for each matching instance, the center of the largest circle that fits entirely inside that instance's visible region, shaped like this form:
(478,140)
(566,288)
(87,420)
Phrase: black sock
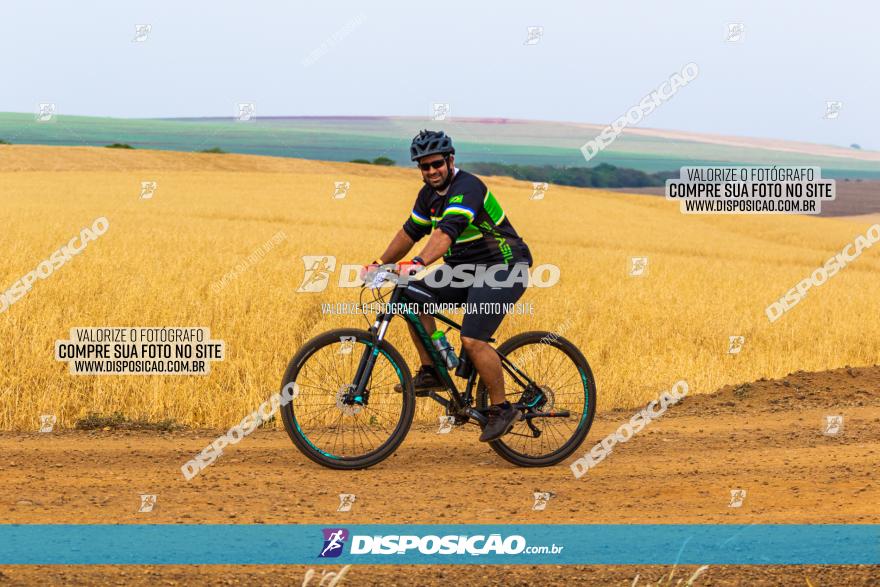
(505,404)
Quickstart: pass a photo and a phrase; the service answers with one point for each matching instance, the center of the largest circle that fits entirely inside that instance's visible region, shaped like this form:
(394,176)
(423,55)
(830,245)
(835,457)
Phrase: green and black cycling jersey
(473,219)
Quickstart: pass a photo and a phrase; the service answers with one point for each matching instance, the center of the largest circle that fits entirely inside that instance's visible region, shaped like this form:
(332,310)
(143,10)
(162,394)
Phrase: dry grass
(709,277)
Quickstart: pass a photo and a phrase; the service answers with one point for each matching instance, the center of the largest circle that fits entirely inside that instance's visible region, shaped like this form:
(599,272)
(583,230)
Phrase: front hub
(347,402)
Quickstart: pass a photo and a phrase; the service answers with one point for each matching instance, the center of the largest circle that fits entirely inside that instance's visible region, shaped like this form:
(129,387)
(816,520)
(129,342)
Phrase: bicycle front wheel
(323,421)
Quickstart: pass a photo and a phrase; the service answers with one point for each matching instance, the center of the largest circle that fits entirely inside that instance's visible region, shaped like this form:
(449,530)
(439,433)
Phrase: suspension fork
(369,356)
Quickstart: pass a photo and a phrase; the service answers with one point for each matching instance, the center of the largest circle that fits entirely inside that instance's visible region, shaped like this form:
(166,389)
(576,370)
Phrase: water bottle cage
(446,351)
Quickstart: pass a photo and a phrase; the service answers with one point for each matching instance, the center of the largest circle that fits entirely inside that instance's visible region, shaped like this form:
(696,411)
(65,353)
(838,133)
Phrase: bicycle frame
(460,404)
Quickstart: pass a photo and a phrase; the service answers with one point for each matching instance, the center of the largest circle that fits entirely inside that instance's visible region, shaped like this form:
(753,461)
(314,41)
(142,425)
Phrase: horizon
(479,119)
(767,78)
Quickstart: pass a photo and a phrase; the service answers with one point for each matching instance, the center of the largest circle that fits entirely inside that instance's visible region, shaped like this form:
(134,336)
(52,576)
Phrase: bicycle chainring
(460,419)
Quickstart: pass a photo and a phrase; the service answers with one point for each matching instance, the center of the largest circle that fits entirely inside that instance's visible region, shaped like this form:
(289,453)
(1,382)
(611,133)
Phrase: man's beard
(445,183)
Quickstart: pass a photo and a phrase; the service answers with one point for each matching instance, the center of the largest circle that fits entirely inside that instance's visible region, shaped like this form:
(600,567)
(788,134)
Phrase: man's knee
(472,344)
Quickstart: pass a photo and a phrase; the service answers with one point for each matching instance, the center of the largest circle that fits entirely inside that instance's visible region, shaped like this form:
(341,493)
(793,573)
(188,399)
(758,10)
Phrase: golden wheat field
(709,278)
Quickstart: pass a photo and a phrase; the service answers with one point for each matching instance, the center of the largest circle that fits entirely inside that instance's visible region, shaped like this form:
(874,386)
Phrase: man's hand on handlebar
(411,267)
(369,269)
(405,268)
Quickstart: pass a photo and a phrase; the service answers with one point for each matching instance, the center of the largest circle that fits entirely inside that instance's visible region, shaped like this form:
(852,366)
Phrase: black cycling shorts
(485,304)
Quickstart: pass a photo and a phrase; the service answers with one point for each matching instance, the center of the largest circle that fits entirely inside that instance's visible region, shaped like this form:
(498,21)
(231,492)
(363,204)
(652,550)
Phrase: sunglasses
(433,164)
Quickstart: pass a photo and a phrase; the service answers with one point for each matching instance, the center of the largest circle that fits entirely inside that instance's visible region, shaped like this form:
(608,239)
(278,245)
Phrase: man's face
(435,177)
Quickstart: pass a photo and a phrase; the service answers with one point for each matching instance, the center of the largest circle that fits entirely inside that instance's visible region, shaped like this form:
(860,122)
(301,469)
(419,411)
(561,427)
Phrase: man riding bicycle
(473,230)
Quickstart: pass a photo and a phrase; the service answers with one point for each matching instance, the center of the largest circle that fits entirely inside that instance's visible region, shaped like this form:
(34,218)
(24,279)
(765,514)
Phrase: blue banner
(599,544)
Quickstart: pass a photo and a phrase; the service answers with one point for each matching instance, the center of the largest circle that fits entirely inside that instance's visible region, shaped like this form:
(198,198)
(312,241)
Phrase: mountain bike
(347,414)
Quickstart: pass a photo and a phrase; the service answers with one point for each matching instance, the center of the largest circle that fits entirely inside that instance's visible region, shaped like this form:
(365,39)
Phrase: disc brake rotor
(347,409)
(551,398)
(542,400)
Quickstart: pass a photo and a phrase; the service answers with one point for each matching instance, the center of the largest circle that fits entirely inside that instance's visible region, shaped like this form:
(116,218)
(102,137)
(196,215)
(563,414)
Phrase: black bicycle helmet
(430,142)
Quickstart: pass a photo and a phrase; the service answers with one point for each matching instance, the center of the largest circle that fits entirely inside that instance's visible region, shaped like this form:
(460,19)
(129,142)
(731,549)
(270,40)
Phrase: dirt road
(766,437)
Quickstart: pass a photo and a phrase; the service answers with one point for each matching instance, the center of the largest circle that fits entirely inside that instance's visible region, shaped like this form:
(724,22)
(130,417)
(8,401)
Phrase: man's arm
(417,226)
(458,214)
(437,245)
(399,246)
(402,243)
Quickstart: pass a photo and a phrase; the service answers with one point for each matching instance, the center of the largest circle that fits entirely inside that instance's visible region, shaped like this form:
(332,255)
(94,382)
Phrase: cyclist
(471,228)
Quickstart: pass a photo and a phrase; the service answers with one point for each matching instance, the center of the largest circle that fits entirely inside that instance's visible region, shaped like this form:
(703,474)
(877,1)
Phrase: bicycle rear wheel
(342,435)
(564,382)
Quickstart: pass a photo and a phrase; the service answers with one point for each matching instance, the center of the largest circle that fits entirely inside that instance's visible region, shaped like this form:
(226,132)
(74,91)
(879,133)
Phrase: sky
(592,62)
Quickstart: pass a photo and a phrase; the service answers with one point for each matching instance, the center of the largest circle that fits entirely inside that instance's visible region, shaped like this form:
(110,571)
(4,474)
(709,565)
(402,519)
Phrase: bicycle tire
(586,422)
(342,462)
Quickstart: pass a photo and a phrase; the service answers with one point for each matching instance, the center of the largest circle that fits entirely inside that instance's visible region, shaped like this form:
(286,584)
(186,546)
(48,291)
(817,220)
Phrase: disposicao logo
(334,540)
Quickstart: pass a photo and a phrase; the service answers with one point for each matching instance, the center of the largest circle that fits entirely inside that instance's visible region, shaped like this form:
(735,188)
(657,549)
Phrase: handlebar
(375,279)
(377,275)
